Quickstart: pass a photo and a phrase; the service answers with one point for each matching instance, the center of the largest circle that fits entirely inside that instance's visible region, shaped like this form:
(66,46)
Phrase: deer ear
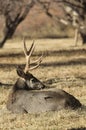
(20,72)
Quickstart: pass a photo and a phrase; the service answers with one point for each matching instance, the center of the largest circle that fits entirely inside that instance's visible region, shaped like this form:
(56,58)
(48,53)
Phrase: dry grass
(63,66)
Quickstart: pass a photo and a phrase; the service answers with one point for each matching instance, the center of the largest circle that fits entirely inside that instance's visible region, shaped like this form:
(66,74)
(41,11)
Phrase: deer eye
(32,79)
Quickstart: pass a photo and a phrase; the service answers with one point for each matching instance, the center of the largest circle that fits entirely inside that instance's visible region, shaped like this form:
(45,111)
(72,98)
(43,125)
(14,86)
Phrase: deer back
(37,101)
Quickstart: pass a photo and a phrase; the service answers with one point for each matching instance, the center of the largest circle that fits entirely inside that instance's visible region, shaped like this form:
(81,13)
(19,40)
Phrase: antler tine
(38,61)
(31,49)
(25,49)
(28,55)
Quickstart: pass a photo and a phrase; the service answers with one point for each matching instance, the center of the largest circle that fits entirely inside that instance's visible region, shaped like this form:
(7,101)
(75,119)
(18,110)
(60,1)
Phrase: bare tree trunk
(14,17)
(83,36)
(3,41)
(7,35)
(76,36)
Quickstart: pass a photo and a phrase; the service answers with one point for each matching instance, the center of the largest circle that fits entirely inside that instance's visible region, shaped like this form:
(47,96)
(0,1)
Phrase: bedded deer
(29,95)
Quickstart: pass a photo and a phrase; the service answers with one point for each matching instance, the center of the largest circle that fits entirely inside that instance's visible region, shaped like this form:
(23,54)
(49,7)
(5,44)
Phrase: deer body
(29,95)
(37,101)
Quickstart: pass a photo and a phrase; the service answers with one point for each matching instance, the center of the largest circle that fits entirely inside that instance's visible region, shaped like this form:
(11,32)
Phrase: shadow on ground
(81,128)
(78,61)
(62,52)
(5,85)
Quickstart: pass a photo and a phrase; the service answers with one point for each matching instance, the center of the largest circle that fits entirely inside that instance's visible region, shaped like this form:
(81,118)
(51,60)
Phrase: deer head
(27,80)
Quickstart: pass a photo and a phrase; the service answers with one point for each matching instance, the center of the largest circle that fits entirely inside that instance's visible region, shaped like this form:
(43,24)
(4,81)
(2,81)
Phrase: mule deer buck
(29,95)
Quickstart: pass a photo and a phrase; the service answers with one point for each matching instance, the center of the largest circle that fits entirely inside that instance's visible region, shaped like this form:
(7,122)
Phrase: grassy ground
(63,66)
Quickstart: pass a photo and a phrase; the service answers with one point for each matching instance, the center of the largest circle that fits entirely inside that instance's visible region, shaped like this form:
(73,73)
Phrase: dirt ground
(63,66)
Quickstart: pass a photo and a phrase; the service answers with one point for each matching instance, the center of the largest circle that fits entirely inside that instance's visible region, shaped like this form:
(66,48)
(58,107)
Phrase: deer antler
(28,54)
